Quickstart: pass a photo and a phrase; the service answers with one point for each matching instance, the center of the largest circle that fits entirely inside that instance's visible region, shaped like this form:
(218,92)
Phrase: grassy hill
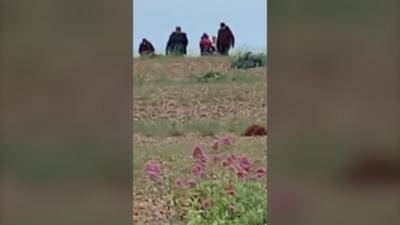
(181,102)
(181,96)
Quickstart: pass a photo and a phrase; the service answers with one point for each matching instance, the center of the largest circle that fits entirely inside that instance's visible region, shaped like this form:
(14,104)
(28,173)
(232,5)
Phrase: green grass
(211,77)
(206,128)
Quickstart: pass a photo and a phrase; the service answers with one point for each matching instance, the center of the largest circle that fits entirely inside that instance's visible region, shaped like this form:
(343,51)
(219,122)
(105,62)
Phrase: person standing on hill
(146,48)
(177,43)
(225,39)
(206,47)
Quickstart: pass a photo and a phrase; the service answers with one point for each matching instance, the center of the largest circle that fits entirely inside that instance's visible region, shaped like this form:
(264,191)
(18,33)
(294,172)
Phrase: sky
(156,19)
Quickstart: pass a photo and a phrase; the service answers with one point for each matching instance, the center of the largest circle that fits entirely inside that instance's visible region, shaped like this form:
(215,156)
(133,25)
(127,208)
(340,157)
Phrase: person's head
(222,25)
(178,29)
(205,35)
(144,40)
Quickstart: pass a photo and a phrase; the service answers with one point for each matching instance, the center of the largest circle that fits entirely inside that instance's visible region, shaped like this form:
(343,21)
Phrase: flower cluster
(211,172)
(225,141)
(152,169)
(199,155)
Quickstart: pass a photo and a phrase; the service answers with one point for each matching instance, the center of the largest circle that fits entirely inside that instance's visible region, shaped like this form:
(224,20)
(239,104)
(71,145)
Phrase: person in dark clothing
(206,47)
(146,48)
(177,43)
(225,39)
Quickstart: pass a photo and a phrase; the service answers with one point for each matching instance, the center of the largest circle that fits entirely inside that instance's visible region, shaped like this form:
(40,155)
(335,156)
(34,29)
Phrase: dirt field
(175,109)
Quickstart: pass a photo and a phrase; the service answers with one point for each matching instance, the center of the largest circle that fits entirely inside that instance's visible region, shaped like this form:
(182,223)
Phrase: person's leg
(202,51)
(220,49)
(225,50)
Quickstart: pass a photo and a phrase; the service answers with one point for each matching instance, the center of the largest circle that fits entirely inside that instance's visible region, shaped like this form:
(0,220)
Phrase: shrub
(248,60)
(255,130)
(224,189)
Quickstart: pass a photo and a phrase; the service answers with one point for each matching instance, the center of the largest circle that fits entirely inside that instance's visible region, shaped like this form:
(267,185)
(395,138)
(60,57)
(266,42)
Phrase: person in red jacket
(225,39)
(146,48)
(206,47)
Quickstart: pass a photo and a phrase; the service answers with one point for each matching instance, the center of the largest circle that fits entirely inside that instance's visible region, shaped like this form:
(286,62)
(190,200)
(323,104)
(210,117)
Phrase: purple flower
(179,183)
(198,169)
(215,145)
(205,203)
(241,173)
(261,172)
(230,189)
(244,163)
(199,154)
(227,140)
(229,160)
(216,158)
(152,169)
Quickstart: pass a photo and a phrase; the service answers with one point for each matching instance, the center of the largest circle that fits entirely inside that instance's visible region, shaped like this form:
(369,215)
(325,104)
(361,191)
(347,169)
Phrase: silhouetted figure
(225,39)
(177,43)
(146,48)
(206,47)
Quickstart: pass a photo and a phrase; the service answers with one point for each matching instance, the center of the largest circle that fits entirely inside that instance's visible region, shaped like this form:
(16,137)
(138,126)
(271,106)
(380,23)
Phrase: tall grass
(205,128)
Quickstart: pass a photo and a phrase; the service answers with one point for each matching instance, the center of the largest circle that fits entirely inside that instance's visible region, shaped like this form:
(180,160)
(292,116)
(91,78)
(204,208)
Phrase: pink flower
(192,183)
(244,163)
(216,158)
(227,140)
(241,173)
(199,154)
(230,189)
(179,183)
(152,169)
(205,203)
(215,145)
(198,169)
(229,160)
(261,172)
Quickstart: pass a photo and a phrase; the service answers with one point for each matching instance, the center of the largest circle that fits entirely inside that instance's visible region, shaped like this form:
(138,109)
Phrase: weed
(210,76)
(247,60)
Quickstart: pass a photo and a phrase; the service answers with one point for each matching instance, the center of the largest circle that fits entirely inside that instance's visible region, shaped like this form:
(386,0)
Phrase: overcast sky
(156,19)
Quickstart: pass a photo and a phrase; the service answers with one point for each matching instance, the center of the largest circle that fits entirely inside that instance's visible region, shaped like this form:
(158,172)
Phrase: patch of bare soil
(226,103)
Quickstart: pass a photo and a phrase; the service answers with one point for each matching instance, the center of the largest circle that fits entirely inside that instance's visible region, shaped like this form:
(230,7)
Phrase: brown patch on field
(179,67)
(195,101)
(148,209)
(226,103)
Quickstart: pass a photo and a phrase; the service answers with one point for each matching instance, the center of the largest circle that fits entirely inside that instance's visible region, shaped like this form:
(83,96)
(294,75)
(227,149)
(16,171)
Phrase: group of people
(178,42)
